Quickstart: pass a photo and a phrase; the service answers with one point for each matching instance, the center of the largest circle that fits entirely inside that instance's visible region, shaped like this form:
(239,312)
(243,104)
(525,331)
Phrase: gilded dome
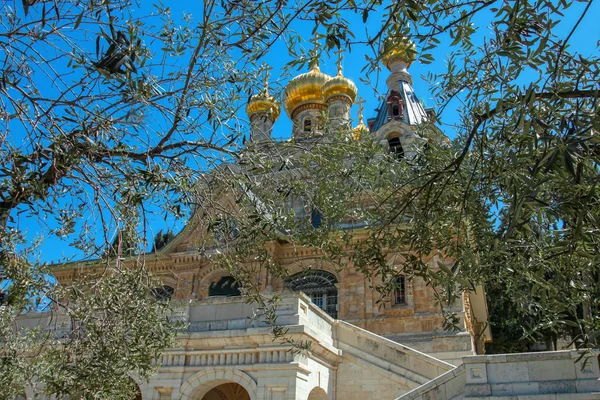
(360,129)
(263,103)
(402,49)
(305,89)
(339,85)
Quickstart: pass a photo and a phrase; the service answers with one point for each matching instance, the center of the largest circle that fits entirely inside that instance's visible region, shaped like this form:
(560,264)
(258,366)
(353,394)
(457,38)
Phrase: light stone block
(480,389)
(526,388)
(455,386)
(588,386)
(501,389)
(558,386)
(437,393)
(508,373)
(551,370)
(587,368)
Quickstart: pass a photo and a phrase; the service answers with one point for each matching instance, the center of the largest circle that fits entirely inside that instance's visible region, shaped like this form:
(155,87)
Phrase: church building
(359,348)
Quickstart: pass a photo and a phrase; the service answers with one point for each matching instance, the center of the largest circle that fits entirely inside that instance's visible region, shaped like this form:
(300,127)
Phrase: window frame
(307,125)
(325,292)
(395,147)
(400,291)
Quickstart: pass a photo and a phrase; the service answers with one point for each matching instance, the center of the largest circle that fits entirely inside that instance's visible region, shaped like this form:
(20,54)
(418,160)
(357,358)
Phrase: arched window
(395,106)
(400,290)
(307,128)
(319,286)
(163,293)
(226,286)
(396,147)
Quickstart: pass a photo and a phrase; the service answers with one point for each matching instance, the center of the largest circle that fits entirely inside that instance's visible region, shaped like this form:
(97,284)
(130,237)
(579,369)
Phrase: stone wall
(543,374)
(190,273)
(450,347)
(344,361)
(558,375)
(372,365)
(224,345)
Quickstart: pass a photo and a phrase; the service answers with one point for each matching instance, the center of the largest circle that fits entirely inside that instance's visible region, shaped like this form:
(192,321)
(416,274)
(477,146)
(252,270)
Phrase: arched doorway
(138,393)
(317,394)
(200,384)
(227,391)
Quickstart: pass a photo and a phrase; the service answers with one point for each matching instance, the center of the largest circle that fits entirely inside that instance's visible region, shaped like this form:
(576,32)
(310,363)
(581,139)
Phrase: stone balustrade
(226,335)
(544,375)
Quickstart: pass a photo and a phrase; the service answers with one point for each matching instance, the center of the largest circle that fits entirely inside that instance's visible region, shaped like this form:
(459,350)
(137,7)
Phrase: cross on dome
(314,61)
(340,56)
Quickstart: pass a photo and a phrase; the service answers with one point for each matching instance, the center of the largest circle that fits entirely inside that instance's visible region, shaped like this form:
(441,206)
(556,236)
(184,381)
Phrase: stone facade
(225,348)
(417,322)
(374,347)
(355,355)
(343,361)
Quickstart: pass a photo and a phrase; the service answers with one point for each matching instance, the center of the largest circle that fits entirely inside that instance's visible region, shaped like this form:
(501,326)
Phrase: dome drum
(308,106)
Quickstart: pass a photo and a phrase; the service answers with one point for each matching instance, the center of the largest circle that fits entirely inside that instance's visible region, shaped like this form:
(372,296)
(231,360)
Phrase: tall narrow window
(316,218)
(395,106)
(307,125)
(396,147)
(400,290)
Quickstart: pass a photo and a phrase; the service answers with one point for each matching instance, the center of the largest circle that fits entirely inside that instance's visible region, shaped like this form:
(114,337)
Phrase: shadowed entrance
(227,391)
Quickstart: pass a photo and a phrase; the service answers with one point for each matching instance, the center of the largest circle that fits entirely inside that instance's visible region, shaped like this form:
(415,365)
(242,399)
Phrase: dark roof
(414,112)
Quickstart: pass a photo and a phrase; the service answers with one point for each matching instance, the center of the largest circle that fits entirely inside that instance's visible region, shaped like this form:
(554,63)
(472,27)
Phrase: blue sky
(583,41)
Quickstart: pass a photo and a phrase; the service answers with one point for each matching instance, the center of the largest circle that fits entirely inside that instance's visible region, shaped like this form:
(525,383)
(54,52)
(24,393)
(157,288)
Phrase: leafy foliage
(162,239)
(109,116)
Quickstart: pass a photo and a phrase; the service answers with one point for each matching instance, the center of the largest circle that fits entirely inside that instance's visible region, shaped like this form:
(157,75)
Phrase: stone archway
(201,383)
(227,391)
(317,394)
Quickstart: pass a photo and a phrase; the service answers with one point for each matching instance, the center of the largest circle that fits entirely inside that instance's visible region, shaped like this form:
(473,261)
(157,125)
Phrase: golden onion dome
(340,86)
(360,129)
(401,49)
(305,89)
(263,103)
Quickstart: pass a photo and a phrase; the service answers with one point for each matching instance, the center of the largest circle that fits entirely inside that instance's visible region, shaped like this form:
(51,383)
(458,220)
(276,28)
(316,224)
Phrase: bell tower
(401,110)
